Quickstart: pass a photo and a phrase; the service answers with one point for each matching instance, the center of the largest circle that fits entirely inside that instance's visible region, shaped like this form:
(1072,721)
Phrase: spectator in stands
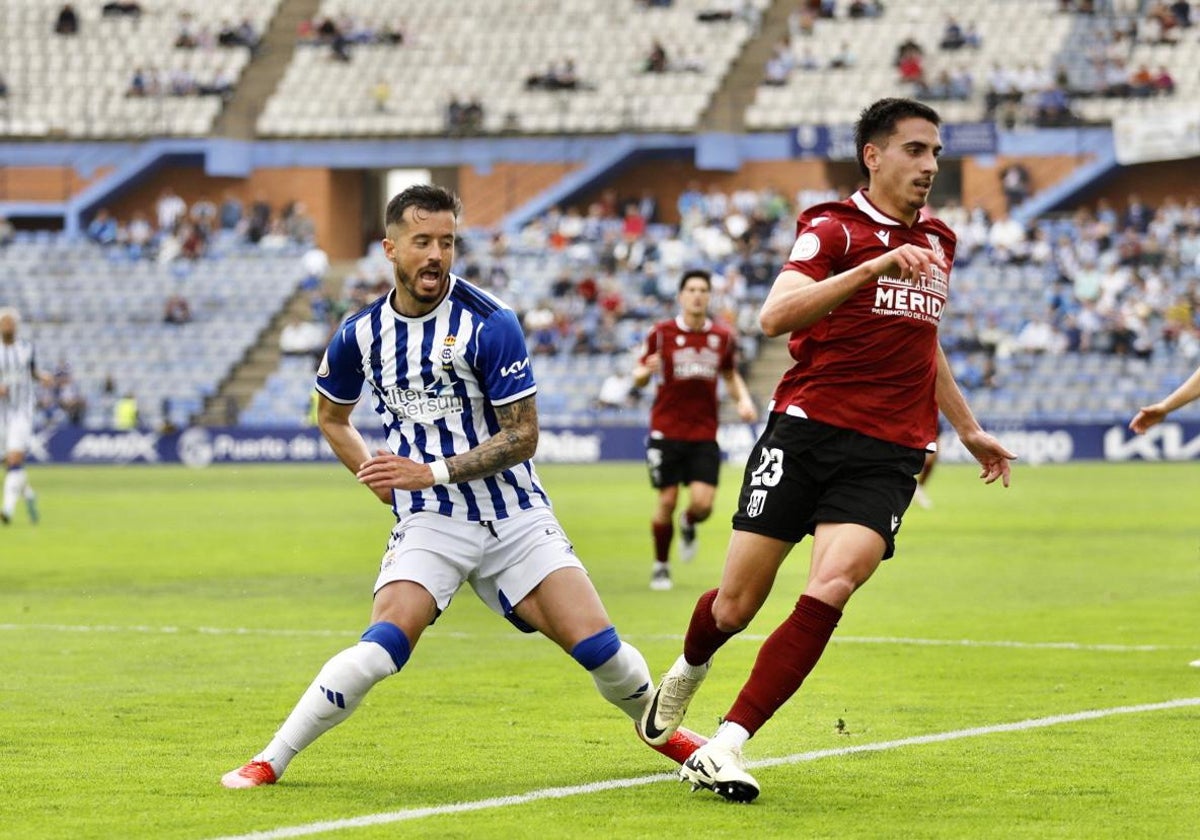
(139,83)
(1182,10)
(298,224)
(617,391)
(103,228)
(7,232)
(1138,215)
(656,59)
(1164,82)
(125,413)
(139,235)
(952,35)
(116,8)
(1016,183)
(67,22)
(303,338)
(909,46)
(187,35)
(339,45)
(1141,82)
(472,115)
(67,395)
(808,62)
(1054,107)
(259,220)
(1007,240)
(844,58)
(1160,25)
(911,68)
(779,65)
(381,95)
(176,310)
(229,215)
(864,9)
(170,209)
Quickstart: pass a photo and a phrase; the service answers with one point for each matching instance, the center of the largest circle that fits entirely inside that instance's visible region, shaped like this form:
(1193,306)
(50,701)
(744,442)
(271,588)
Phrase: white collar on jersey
(681,322)
(864,204)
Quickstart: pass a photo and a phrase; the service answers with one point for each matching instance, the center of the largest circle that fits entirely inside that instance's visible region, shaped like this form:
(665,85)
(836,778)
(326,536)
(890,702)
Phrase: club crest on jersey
(756,503)
(714,341)
(448,352)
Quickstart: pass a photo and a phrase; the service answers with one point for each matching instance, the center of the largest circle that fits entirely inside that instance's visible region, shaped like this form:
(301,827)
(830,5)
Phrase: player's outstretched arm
(1151,415)
(741,396)
(993,458)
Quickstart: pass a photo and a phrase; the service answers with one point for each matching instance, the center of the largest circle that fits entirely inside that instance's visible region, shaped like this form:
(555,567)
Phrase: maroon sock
(783,661)
(662,540)
(703,637)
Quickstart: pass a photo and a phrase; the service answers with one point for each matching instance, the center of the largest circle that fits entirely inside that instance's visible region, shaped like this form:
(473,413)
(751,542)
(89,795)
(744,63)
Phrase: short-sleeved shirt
(18,373)
(435,381)
(871,364)
(686,402)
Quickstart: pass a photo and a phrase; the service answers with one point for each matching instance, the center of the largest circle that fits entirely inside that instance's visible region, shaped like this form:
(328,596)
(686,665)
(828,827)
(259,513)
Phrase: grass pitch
(160,622)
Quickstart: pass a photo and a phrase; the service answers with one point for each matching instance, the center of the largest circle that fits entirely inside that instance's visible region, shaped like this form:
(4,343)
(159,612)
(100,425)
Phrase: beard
(410,282)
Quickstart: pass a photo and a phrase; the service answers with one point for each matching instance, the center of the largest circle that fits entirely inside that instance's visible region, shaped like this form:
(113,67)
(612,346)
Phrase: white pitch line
(745,637)
(616,784)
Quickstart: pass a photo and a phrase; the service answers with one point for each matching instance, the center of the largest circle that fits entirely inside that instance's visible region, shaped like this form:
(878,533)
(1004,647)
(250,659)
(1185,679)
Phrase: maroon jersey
(685,405)
(871,364)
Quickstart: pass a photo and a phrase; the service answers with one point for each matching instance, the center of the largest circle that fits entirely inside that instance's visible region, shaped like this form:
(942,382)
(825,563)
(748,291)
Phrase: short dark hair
(428,197)
(878,121)
(704,275)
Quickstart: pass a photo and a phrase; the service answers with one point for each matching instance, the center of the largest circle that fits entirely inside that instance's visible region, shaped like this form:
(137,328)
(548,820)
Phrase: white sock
(732,735)
(14,486)
(334,694)
(624,680)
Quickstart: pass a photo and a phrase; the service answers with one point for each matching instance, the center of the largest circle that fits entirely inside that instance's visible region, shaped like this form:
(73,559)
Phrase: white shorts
(16,431)
(502,560)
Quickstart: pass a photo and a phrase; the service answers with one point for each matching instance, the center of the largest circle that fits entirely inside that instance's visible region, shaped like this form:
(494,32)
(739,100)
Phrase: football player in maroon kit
(687,353)
(861,296)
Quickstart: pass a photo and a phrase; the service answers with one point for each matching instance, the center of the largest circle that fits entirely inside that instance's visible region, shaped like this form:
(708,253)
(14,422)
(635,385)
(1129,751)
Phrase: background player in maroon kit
(687,353)
(850,422)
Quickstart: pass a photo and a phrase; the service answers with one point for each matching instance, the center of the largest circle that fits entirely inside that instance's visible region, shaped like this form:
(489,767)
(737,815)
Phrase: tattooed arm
(515,442)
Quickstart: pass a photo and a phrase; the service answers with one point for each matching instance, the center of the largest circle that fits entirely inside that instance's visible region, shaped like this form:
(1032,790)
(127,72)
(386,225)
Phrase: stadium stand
(81,85)
(508,55)
(1075,319)
(102,317)
(1032,45)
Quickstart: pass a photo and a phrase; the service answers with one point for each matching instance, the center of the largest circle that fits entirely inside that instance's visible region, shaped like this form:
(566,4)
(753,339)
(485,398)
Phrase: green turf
(160,622)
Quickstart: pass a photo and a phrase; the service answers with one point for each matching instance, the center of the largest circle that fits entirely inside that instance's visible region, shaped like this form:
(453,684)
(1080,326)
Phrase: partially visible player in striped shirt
(19,378)
(447,370)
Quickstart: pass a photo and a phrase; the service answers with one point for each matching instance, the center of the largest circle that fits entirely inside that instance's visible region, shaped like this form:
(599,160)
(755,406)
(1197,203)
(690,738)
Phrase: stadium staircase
(727,110)
(263,74)
(247,377)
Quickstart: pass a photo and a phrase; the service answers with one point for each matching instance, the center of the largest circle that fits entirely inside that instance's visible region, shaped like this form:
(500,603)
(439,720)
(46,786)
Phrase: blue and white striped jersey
(17,372)
(434,381)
